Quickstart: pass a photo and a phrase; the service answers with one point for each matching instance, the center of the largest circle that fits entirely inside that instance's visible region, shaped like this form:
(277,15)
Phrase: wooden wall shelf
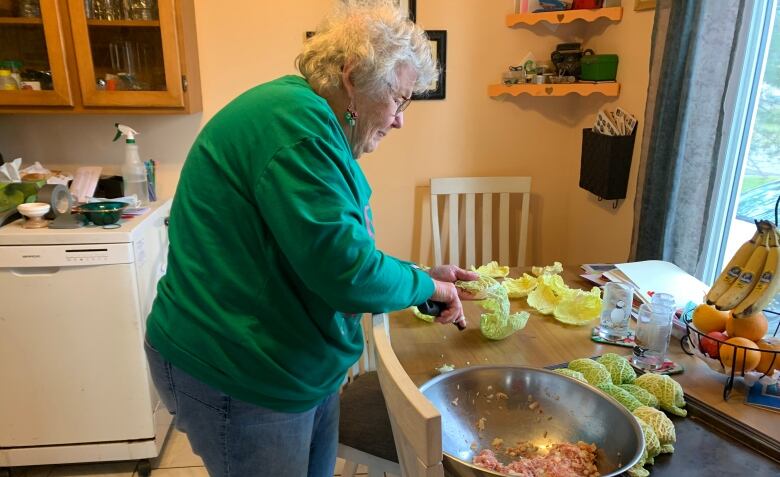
(582,89)
(564,16)
(20,21)
(124,23)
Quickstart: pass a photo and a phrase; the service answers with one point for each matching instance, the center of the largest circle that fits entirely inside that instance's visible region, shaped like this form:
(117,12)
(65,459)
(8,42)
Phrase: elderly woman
(272,255)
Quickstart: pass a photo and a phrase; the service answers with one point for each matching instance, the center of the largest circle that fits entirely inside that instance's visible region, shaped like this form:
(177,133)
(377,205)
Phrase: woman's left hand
(453,273)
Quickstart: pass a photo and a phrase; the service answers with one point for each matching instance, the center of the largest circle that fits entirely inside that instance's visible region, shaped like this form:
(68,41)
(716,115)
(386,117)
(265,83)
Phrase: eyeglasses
(401,104)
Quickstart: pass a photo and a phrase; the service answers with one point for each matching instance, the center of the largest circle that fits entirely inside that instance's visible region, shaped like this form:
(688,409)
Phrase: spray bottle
(133,170)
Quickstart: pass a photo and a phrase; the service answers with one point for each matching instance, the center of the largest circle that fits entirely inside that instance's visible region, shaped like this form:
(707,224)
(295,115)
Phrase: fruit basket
(732,356)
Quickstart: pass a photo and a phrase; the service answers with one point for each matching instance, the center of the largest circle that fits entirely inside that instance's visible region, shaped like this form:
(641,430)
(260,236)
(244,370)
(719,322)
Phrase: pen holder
(605,164)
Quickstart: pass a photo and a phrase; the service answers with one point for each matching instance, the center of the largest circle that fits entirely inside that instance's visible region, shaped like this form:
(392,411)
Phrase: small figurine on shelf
(553,5)
(515,75)
(586,4)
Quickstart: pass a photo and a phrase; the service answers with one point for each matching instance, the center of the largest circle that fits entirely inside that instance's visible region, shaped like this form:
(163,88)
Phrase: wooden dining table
(423,347)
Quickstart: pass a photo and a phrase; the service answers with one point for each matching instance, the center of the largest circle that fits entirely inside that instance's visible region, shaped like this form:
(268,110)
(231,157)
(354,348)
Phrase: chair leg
(349,469)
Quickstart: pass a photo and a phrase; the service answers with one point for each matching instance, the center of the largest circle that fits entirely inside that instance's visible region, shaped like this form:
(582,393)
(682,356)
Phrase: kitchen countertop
(422,347)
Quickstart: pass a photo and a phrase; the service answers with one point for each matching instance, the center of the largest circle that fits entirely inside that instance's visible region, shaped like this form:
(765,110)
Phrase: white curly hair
(376,39)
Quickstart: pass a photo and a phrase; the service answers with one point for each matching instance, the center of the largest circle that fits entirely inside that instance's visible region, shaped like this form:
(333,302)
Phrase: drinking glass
(653,330)
(141,9)
(105,10)
(615,311)
(29,8)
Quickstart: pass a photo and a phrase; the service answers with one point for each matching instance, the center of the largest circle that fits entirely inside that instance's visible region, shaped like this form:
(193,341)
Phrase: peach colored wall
(245,42)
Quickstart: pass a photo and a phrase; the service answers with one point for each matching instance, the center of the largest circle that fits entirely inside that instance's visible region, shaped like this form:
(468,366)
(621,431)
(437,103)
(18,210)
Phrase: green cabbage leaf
(652,449)
(662,425)
(519,287)
(667,390)
(595,373)
(422,316)
(644,396)
(492,269)
(621,395)
(498,323)
(571,373)
(619,368)
(480,288)
(578,307)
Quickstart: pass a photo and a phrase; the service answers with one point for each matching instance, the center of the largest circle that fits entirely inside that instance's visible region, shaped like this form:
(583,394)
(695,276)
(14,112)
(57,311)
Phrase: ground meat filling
(562,460)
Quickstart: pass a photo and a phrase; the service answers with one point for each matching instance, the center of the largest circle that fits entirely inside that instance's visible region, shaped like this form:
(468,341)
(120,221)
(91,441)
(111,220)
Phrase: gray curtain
(691,62)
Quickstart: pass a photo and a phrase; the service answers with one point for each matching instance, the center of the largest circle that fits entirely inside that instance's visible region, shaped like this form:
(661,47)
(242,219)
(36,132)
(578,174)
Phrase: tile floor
(175,460)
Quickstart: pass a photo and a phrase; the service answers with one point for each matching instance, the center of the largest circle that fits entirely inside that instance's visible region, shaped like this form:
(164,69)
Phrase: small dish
(34,212)
(102,213)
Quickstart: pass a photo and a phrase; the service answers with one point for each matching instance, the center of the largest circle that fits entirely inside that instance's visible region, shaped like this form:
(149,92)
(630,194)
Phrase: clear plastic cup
(616,311)
(653,331)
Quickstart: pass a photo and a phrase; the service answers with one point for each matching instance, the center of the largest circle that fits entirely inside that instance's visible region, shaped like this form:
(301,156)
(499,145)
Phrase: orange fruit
(752,327)
(706,318)
(769,344)
(730,354)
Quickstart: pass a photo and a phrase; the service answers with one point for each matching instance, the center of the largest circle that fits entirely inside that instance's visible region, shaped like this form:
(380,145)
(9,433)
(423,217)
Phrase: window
(750,178)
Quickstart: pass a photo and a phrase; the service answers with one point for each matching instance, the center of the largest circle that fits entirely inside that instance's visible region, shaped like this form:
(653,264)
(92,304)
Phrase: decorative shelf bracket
(564,16)
(582,89)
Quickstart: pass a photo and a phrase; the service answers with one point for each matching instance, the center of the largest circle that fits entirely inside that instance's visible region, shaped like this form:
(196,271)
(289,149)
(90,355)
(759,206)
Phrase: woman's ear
(346,80)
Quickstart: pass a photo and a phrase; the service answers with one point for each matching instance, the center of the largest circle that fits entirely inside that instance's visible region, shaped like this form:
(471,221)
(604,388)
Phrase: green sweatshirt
(272,255)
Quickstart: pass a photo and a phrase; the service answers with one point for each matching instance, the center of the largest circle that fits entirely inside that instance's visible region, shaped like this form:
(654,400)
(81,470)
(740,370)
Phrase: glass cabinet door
(127,52)
(32,55)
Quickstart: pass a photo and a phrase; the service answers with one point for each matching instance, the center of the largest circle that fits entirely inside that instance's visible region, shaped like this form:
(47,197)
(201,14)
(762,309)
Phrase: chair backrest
(452,188)
(416,422)
(366,362)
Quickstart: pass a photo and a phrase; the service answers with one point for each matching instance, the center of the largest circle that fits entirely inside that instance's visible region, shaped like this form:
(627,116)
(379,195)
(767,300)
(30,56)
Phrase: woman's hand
(447,293)
(453,273)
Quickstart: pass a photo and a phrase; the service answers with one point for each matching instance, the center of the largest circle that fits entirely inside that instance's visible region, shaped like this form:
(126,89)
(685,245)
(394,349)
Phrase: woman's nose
(398,121)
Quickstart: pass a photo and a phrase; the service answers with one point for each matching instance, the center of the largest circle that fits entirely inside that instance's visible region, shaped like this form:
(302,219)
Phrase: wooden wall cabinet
(88,60)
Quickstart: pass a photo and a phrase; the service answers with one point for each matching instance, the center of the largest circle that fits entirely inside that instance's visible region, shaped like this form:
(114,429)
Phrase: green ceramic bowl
(102,213)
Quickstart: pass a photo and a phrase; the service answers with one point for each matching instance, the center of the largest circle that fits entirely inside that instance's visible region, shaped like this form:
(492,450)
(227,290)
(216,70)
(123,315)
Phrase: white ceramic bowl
(33,209)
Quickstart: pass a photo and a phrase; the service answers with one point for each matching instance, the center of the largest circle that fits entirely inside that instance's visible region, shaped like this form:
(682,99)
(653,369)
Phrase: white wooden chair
(470,187)
(415,421)
(365,433)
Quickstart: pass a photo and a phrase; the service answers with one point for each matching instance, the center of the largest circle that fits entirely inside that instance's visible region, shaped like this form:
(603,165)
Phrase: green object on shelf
(15,193)
(599,67)
(103,213)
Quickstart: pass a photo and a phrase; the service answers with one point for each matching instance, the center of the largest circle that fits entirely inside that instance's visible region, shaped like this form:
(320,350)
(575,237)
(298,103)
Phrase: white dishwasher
(74,382)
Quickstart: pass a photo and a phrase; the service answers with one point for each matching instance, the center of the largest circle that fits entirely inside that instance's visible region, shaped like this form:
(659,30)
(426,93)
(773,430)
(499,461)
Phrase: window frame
(740,103)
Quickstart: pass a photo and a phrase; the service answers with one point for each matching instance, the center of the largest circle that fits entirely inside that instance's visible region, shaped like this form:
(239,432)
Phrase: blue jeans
(238,439)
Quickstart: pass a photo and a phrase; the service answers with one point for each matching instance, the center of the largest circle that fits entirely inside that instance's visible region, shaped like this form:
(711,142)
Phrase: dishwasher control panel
(87,256)
(65,255)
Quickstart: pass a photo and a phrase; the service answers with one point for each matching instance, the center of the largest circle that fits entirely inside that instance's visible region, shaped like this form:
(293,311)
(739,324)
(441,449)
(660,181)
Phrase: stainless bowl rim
(588,387)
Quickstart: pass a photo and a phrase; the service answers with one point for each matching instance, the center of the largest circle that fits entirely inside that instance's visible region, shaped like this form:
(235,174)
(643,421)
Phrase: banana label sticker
(734,273)
(766,277)
(746,278)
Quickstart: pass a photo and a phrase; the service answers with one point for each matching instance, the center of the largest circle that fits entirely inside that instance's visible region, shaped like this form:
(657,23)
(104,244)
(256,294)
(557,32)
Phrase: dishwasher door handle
(34,271)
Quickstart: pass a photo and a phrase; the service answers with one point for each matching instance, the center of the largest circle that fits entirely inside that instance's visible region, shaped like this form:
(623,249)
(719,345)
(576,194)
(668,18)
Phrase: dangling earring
(351,116)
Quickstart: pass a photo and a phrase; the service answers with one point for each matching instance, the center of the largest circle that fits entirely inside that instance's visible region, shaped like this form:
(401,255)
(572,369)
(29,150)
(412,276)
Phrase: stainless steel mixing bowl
(571,411)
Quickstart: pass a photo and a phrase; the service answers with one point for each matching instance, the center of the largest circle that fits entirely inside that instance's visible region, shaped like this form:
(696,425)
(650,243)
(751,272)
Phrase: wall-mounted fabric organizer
(605,164)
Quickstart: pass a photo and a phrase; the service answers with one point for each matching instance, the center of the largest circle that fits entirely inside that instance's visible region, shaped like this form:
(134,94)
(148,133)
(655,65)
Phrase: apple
(710,346)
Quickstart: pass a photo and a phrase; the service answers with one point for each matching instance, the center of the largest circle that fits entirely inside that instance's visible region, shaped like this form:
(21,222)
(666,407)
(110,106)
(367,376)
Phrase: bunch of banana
(750,280)
(733,269)
(768,284)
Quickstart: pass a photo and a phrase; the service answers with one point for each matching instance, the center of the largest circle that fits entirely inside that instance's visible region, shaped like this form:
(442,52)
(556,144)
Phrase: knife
(435,308)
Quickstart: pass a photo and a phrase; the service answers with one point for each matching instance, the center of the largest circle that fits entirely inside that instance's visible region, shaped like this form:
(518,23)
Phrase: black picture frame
(411,7)
(438,39)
